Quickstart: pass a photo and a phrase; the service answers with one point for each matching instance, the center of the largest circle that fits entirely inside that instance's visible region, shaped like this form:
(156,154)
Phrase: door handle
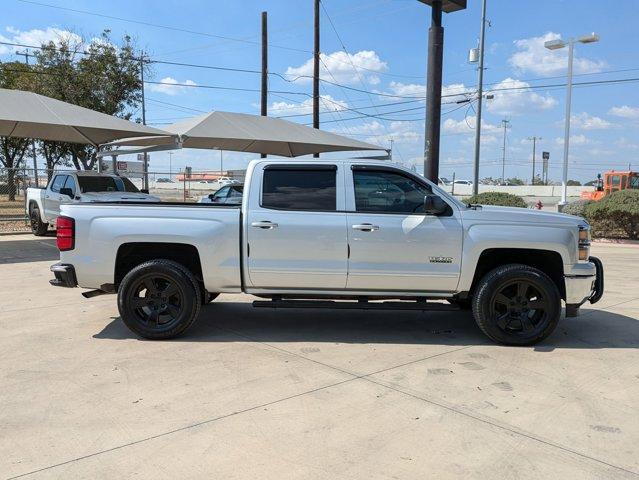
(266,225)
(366,227)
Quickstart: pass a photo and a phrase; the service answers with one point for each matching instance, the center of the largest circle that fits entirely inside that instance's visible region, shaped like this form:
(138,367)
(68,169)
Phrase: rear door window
(300,188)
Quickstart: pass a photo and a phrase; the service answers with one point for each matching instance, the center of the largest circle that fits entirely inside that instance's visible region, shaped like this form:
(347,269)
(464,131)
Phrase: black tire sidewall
(500,276)
(41,227)
(189,291)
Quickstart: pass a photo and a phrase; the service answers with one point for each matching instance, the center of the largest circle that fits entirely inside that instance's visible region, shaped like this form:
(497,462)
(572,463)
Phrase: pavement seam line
(487,420)
(500,425)
(222,417)
(181,429)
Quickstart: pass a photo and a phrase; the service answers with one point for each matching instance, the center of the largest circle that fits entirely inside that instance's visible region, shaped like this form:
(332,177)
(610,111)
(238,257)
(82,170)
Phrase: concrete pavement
(310,394)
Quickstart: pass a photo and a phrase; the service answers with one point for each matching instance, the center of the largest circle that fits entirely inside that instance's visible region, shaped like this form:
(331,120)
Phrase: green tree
(99,75)
(13,75)
(514,181)
(573,183)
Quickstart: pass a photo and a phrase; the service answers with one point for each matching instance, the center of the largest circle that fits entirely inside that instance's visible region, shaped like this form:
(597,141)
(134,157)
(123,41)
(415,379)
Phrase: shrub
(578,207)
(497,198)
(616,214)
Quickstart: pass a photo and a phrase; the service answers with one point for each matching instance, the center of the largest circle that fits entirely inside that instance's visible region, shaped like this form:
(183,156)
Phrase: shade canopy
(242,132)
(29,115)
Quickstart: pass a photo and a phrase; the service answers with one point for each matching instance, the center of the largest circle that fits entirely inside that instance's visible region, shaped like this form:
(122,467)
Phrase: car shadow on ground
(231,322)
(32,250)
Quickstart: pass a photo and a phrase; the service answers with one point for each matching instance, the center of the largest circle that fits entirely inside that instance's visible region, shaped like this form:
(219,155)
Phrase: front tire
(517,305)
(38,227)
(159,299)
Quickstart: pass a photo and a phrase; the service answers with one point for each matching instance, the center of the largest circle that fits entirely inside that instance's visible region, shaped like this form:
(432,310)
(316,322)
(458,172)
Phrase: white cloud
(170,86)
(625,111)
(532,56)
(517,101)
(576,140)
(450,93)
(36,37)
(327,104)
(467,125)
(583,121)
(375,132)
(338,67)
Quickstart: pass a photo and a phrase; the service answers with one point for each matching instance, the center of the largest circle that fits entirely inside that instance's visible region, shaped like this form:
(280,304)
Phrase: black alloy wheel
(159,299)
(517,305)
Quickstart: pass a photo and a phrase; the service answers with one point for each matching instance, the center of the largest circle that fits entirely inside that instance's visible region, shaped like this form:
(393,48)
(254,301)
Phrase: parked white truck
(332,234)
(43,204)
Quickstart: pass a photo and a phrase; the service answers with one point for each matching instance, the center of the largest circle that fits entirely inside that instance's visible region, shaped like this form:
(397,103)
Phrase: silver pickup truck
(43,204)
(332,234)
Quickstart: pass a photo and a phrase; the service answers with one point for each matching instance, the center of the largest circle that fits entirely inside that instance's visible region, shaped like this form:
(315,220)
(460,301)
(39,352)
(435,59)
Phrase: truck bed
(103,228)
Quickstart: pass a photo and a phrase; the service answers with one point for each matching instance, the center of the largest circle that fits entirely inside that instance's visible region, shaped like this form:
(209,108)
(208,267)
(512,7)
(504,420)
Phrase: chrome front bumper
(589,287)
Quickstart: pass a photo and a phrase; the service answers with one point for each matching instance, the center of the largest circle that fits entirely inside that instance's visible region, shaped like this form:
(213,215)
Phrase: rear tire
(159,299)
(517,305)
(38,227)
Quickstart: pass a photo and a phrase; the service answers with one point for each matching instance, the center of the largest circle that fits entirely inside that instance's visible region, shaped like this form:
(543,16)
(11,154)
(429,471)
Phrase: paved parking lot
(310,394)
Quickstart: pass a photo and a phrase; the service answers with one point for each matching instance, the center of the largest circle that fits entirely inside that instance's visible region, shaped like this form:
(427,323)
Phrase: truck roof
(87,173)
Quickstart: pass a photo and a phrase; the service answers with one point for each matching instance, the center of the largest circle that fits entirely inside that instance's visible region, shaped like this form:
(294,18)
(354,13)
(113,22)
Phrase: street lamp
(556,45)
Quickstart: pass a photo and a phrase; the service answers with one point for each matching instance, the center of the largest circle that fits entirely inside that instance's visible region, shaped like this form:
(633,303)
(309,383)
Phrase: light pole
(503,158)
(170,165)
(534,140)
(555,45)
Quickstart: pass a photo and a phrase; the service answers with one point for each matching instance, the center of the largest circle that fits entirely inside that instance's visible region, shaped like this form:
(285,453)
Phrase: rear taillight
(65,237)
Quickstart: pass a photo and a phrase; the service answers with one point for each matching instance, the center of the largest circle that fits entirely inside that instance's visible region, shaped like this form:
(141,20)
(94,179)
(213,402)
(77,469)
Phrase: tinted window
(383,191)
(222,192)
(106,184)
(70,183)
(616,180)
(58,183)
(634,182)
(299,189)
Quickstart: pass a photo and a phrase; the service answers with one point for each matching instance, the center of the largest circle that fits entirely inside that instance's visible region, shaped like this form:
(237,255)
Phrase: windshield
(106,184)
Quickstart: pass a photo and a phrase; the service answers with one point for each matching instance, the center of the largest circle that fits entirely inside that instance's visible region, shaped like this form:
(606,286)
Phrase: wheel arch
(548,261)
(132,254)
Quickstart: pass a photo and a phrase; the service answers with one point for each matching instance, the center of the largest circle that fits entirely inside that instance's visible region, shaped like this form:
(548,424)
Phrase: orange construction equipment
(612,182)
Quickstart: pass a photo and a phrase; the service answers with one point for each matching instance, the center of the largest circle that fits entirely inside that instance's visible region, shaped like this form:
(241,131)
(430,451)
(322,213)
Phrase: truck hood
(491,213)
(117,197)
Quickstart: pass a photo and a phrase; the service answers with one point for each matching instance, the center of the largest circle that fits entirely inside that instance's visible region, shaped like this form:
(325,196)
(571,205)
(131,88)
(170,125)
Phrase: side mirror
(144,190)
(66,191)
(434,205)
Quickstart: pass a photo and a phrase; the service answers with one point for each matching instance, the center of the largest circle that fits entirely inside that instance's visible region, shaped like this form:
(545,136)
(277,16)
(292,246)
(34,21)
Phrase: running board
(352,305)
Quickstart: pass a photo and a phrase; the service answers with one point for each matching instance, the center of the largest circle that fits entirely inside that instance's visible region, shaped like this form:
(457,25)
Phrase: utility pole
(316,62)
(503,159)
(264,93)
(33,149)
(480,93)
(534,140)
(146,157)
(434,83)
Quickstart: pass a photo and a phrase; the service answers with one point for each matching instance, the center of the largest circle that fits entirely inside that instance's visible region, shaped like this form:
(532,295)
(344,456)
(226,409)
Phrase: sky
(373,73)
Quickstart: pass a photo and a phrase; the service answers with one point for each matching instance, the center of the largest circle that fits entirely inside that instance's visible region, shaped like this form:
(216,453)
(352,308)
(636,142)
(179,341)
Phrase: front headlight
(584,243)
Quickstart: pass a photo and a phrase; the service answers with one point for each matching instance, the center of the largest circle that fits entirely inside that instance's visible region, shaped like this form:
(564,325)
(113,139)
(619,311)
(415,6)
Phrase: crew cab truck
(43,204)
(332,234)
